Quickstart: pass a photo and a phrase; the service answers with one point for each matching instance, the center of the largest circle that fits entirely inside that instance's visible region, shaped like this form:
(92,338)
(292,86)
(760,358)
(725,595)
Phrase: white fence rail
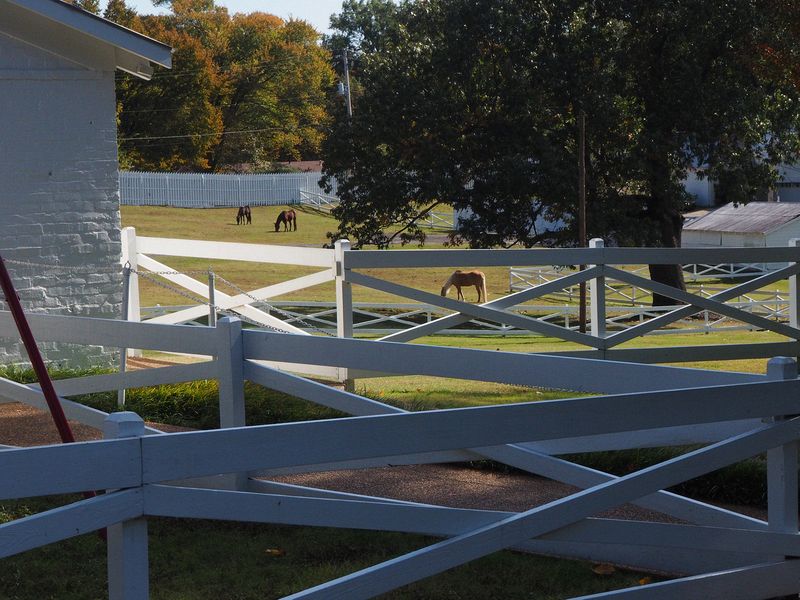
(734,415)
(202,190)
(609,325)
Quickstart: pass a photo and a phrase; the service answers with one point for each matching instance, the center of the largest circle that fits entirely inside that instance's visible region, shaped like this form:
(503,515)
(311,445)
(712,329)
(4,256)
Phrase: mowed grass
(211,559)
(219,224)
(206,560)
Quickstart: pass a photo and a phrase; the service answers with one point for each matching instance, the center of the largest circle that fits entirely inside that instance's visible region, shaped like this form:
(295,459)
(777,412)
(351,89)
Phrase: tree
(250,88)
(474,104)
(275,83)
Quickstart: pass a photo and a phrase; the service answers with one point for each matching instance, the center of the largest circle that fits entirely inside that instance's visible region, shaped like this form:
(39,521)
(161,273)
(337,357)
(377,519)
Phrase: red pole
(32,349)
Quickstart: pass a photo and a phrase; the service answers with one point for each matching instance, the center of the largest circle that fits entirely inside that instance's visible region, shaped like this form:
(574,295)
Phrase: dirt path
(447,485)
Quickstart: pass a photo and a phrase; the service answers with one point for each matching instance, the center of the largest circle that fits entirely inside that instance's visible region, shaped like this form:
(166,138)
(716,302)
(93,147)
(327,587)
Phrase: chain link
(149,275)
(281,312)
(51,267)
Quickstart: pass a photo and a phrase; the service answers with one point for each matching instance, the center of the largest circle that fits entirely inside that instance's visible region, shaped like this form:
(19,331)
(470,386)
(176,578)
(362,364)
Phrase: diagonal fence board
(655,323)
(769,580)
(504,302)
(713,303)
(197,454)
(233,302)
(69,521)
(549,517)
(198,288)
(473,310)
(35,398)
(390,515)
(527,459)
(541,370)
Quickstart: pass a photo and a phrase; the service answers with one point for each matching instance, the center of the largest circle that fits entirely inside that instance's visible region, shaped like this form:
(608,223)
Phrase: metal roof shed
(754,224)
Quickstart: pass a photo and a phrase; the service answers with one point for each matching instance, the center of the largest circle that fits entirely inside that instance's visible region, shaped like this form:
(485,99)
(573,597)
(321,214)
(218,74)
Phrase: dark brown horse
(244,216)
(288,218)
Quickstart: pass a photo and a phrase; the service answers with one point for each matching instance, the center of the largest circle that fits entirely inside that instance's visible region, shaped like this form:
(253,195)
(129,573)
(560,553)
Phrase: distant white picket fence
(205,190)
(227,474)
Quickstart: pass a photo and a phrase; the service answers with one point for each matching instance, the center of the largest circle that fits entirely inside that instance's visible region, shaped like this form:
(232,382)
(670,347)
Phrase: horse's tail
(483,287)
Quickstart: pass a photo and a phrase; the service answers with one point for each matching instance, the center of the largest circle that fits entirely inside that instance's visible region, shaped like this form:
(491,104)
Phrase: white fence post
(597,298)
(794,293)
(782,463)
(130,255)
(128,571)
(230,375)
(212,300)
(344,305)
(123,353)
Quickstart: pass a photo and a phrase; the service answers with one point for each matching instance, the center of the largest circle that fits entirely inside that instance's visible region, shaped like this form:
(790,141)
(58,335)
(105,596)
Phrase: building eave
(133,52)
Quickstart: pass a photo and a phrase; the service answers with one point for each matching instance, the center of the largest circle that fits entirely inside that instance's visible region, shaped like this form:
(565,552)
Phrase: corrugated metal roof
(753,217)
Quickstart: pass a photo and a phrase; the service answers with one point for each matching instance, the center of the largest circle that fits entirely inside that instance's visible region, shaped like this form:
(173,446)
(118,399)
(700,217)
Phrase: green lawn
(197,560)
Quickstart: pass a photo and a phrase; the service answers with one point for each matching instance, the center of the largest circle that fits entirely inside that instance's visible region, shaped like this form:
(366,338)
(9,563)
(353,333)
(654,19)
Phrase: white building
(753,225)
(59,186)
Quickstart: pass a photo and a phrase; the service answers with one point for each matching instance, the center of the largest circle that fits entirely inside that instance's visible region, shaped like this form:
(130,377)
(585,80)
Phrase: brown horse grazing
(244,216)
(287,217)
(460,279)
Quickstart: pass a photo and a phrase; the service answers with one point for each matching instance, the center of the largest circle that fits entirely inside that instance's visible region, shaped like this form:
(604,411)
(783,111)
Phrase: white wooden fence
(606,331)
(225,474)
(205,190)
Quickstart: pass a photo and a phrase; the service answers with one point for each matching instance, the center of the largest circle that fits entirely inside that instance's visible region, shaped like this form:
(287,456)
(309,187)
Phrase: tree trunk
(667,224)
(670,225)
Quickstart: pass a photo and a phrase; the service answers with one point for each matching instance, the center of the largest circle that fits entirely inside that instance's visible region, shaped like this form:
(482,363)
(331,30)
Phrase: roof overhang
(82,37)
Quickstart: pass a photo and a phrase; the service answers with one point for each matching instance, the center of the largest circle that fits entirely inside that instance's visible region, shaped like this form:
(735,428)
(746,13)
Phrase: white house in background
(753,225)
(59,185)
(786,190)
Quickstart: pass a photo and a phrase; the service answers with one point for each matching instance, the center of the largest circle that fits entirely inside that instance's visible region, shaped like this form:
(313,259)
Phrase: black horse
(287,217)
(243,216)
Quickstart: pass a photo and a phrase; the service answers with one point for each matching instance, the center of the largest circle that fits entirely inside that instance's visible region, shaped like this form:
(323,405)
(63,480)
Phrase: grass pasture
(198,560)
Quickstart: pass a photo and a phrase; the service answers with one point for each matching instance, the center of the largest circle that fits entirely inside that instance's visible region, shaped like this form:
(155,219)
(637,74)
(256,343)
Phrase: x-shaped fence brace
(240,303)
(492,311)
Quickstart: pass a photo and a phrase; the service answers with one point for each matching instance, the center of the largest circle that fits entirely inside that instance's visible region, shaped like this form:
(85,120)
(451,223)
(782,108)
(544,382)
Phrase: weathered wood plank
(133,379)
(756,582)
(504,302)
(109,332)
(262,253)
(476,310)
(77,467)
(677,354)
(550,517)
(504,367)
(196,454)
(34,397)
(230,302)
(69,521)
(364,259)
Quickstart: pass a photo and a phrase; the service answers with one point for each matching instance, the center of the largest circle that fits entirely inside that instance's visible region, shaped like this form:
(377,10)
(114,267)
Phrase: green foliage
(476,104)
(244,89)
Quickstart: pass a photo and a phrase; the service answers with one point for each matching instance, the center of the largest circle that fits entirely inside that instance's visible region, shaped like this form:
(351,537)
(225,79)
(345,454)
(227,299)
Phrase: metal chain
(198,299)
(284,313)
(51,267)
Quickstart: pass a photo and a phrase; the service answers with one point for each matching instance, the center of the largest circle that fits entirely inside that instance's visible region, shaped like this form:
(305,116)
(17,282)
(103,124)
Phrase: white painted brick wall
(59,191)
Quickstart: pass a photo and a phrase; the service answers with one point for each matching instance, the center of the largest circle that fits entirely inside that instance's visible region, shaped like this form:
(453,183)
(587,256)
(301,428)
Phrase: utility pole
(347,99)
(582,211)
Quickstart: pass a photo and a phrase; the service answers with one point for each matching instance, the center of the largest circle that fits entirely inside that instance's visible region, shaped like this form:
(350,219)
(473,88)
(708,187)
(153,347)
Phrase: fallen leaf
(275,551)
(603,569)
(645,581)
